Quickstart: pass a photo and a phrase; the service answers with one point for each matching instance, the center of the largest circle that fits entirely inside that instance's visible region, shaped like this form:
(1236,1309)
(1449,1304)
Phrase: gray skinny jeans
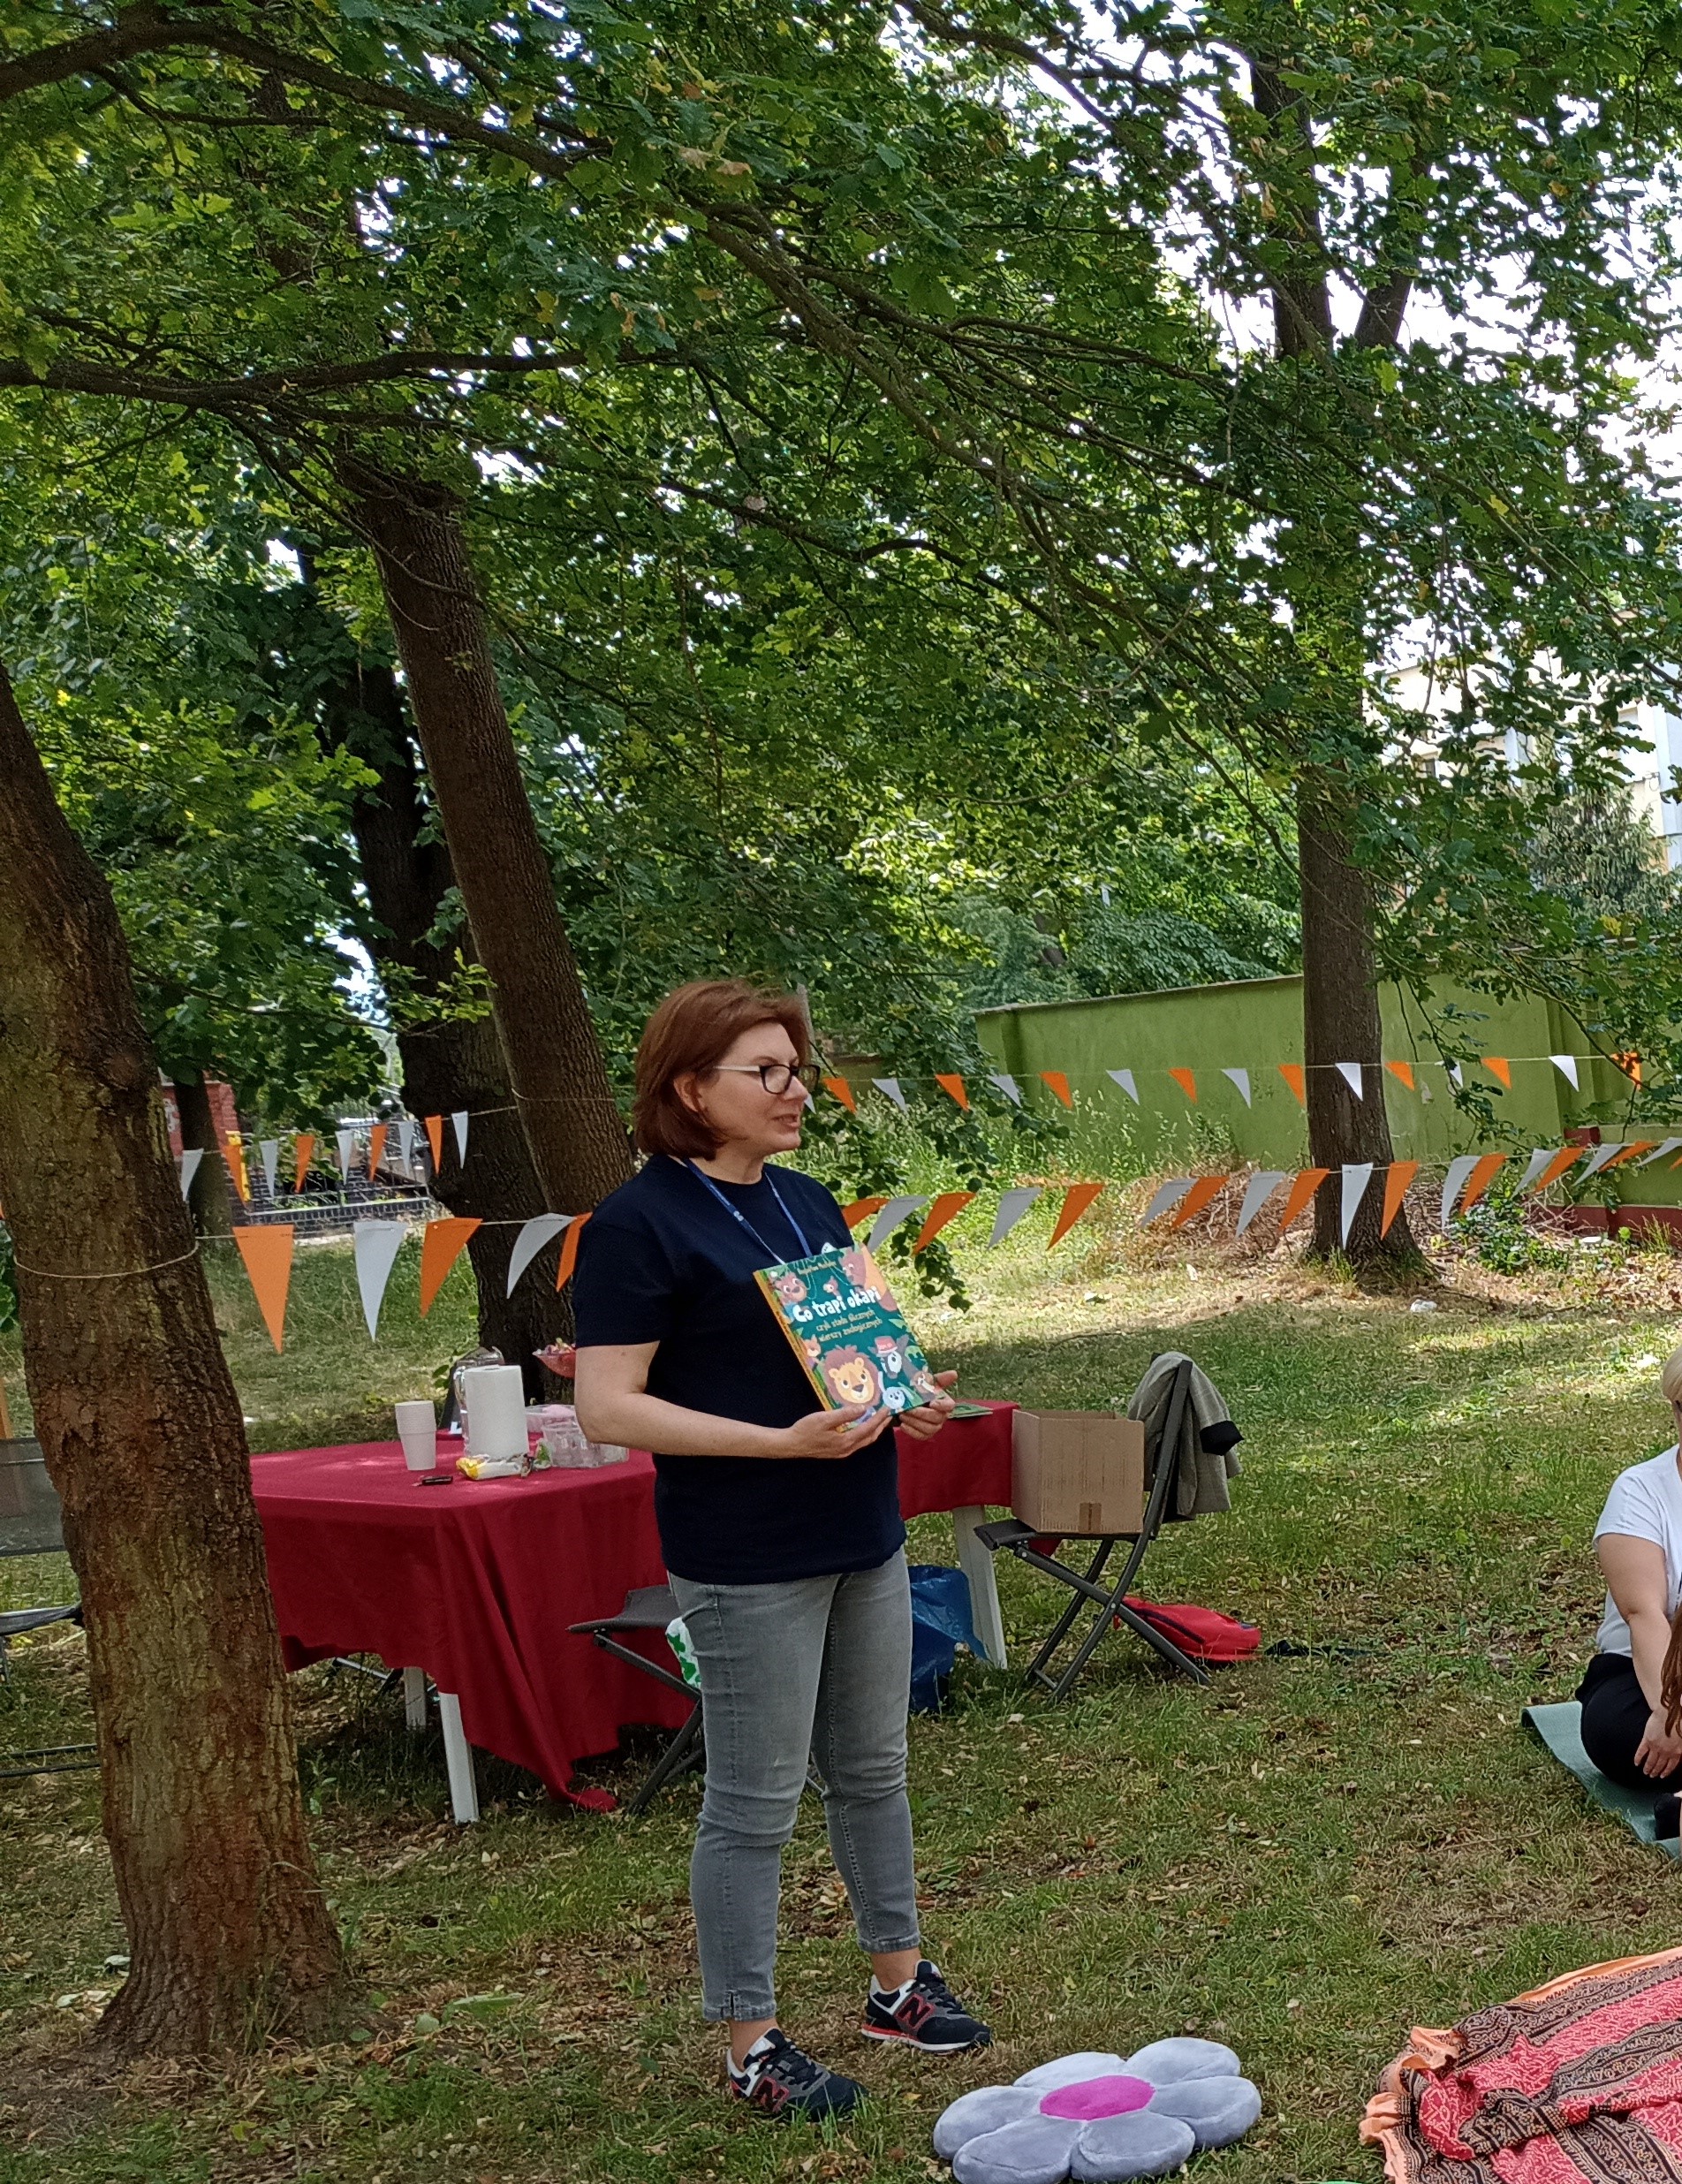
(818,1666)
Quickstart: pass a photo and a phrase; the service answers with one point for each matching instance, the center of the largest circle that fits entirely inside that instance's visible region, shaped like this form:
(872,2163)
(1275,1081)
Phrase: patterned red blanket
(1580,2083)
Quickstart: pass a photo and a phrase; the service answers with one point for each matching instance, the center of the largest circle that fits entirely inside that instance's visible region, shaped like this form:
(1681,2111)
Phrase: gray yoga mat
(1559,1727)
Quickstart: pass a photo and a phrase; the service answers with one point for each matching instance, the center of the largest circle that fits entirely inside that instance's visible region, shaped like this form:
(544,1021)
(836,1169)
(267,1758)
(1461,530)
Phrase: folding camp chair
(31,1523)
(650,1607)
(1015,1537)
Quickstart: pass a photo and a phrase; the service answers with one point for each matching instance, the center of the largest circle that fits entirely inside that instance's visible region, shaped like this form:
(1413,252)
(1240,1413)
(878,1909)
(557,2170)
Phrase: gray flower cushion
(1098,2119)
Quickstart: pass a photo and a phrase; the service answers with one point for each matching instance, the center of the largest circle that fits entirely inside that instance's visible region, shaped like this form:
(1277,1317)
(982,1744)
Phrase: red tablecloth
(965,1465)
(478,1582)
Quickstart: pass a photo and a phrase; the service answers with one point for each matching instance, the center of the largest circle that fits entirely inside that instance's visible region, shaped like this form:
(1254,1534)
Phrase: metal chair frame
(33,1531)
(1013,1537)
(657,1609)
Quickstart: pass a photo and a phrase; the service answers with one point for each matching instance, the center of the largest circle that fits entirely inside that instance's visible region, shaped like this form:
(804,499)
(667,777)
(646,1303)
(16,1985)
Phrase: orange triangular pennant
(435,1138)
(266,1248)
(1202,1193)
(1059,1084)
(375,1149)
(842,1091)
(1396,1183)
(1479,1181)
(303,1152)
(861,1211)
(1632,1151)
(946,1208)
(1307,1182)
(1076,1199)
(1403,1073)
(954,1088)
(236,1156)
(1557,1166)
(1498,1066)
(1292,1071)
(1630,1066)
(1186,1082)
(442,1243)
(569,1250)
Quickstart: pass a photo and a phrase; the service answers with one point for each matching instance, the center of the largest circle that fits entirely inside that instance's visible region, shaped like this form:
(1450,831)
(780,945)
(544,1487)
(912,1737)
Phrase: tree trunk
(557,1076)
(451,1062)
(211,1197)
(1340,1023)
(230,1940)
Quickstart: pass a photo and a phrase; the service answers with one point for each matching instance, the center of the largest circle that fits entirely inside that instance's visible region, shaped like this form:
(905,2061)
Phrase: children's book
(847,1330)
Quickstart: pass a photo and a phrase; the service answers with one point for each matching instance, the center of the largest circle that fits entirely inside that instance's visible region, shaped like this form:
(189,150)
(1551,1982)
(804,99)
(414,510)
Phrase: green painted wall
(1256,1024)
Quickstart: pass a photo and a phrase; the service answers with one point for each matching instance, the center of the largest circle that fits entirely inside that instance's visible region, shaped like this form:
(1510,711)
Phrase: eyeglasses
(775,1077)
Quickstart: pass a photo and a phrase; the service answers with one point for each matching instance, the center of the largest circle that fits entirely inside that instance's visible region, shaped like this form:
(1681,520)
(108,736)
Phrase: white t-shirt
(1645,1502)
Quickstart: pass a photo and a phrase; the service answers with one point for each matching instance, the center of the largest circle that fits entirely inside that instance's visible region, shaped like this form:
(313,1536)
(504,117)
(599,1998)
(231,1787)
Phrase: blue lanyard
(737,1215)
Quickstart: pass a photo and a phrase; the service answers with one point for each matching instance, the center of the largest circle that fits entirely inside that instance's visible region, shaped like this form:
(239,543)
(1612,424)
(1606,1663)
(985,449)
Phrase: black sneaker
(781,2082)
(925,2014)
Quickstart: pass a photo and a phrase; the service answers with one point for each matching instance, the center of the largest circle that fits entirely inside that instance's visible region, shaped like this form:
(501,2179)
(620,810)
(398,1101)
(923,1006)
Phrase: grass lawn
(1326,1847)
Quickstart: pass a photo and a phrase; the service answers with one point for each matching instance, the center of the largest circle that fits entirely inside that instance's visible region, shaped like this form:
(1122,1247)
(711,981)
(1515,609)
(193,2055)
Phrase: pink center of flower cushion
(1092,2098)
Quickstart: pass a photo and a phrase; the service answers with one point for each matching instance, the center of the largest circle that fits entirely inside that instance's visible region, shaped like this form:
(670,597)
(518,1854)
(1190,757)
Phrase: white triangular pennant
(1350,1071)
(1455,1077)
(405,1145)
(1012,1206)
(459,1124)
(1240,1078)
(1537,1161)
(889,1088)
(1566,1064)
(1357,1175)
(1257,1192)
(189,1167)
(541,1229)
(1165,1201)
(888,1220)
(1011,1091)
(1598,1159)
(377,1244)
(346,1148)
(1670,1146)
(1125,1079)
(1454,1182)
(269,1150)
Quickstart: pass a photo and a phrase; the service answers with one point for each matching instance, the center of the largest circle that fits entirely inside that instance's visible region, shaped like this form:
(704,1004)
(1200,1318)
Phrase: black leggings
(1615,1716)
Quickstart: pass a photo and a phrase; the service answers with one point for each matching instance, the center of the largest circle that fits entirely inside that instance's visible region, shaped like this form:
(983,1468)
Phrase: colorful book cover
(847,1330)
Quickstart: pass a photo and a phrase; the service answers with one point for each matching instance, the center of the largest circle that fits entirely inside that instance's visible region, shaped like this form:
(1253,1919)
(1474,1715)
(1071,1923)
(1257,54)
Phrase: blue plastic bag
(941,1621)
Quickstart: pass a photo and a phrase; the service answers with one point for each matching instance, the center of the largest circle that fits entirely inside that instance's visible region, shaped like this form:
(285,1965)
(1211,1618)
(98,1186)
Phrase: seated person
(1638,1543)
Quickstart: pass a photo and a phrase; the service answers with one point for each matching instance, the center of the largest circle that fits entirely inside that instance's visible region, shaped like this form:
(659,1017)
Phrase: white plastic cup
(418,1430)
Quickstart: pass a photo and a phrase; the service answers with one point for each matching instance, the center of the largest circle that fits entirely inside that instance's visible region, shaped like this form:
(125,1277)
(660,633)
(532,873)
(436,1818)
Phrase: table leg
(977,1565)
(458,1753)
(414,1699)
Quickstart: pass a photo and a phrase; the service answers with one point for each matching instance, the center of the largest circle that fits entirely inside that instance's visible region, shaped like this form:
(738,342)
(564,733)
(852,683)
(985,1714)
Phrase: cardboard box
(1077,1473)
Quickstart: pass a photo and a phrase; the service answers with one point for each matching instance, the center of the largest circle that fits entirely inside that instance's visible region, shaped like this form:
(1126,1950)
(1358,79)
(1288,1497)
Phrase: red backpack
(1203,1633)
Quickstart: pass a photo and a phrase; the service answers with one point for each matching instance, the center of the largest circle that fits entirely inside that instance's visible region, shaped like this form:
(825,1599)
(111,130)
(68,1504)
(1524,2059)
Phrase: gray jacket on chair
(1208,1453)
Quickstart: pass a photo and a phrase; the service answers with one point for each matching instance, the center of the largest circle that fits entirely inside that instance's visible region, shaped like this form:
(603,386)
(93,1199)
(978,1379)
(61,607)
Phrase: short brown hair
(690,1032)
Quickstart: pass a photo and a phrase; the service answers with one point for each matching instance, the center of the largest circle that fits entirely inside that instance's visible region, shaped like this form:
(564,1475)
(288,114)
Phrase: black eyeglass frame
(807,1073)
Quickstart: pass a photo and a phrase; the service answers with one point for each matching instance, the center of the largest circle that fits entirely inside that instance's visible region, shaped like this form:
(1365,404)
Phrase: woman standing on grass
(1638,1543)
(779,1523)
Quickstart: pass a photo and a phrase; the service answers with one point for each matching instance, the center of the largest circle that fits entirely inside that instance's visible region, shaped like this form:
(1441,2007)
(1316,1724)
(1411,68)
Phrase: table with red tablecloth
(477,1582)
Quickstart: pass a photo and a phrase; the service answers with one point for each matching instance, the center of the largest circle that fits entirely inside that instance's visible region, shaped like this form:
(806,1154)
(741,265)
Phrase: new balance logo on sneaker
(781,2082)
(924,2014)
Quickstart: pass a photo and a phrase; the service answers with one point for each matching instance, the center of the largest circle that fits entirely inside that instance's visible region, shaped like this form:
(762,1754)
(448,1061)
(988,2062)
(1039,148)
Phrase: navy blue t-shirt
(662,1261)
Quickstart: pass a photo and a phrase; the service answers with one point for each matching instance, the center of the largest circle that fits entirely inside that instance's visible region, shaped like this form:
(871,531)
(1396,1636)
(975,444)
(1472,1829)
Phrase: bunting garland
(442,1243)
(946,1208)
(267,1248)
(1397,1184)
